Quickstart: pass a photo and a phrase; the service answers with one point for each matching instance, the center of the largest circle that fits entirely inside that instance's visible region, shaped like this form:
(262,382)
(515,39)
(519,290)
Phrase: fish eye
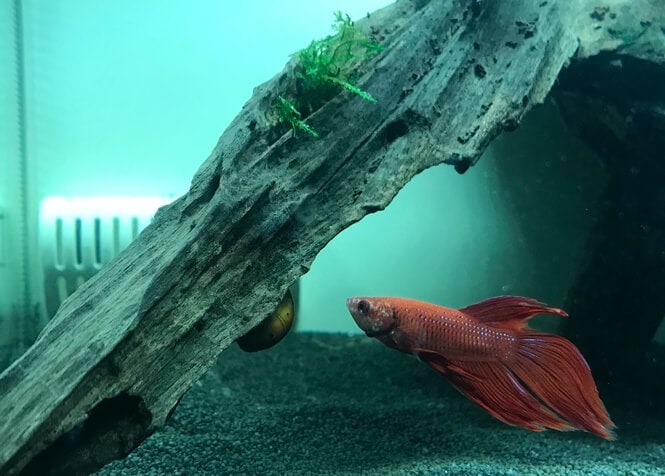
(363,307)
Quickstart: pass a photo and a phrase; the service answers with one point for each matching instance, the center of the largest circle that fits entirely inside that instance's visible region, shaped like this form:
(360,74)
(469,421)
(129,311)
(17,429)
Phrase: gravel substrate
(333,404)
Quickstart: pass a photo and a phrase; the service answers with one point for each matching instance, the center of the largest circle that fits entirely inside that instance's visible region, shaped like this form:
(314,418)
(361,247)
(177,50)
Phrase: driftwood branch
(111,365)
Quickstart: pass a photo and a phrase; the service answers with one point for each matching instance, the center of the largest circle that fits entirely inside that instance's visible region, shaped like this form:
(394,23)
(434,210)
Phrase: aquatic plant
(324,68)
(288,112)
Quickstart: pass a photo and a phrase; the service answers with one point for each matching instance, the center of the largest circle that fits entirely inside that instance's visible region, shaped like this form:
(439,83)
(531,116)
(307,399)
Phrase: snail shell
(272,329)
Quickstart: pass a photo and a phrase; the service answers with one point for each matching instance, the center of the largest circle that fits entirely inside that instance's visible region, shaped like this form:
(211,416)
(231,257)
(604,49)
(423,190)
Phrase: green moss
(289,113)
(325,68)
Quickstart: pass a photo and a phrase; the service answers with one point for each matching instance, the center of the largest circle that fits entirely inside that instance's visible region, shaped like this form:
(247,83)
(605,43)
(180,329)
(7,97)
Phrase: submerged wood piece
(111,365)
(617,105)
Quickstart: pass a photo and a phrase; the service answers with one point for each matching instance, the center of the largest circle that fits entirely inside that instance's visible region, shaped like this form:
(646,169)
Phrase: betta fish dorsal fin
(509,311)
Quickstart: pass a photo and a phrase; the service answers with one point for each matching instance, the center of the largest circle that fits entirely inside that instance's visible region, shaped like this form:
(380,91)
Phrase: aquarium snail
(272,329)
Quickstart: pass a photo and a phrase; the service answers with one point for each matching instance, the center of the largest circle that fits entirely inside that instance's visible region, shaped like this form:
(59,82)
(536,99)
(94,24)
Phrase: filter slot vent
(77,236)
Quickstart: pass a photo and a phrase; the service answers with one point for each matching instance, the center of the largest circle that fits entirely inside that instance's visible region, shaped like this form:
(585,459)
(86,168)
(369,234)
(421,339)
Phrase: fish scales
(455,335)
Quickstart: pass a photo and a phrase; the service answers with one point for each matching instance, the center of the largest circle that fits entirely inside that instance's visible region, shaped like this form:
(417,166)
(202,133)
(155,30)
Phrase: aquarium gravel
(335,404)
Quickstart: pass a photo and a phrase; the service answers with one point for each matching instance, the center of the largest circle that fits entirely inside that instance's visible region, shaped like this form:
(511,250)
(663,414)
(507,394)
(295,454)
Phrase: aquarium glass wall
(127,99)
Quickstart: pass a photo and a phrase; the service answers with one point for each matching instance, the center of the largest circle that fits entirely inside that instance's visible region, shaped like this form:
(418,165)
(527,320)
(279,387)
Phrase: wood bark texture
(112,364)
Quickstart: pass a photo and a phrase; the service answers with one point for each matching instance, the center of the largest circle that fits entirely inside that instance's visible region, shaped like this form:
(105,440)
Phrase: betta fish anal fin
(544,383)
(493,388)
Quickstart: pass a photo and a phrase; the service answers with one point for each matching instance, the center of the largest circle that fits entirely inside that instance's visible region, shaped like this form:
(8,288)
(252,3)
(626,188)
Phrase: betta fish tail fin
(553,370)
(544,383)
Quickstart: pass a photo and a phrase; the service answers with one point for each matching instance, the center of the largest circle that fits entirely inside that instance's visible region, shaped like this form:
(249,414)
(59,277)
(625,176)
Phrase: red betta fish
(488,352)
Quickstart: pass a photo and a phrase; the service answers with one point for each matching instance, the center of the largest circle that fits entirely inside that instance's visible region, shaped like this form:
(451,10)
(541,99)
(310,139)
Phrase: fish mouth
(380,332)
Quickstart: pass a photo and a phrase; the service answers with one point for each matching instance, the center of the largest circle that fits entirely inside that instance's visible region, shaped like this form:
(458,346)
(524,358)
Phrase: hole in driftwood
(114,427)
(394,130)
(205,196)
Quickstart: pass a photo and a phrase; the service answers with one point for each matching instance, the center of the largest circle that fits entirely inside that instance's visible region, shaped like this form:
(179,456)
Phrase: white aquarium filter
(60,245)
(78,235)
